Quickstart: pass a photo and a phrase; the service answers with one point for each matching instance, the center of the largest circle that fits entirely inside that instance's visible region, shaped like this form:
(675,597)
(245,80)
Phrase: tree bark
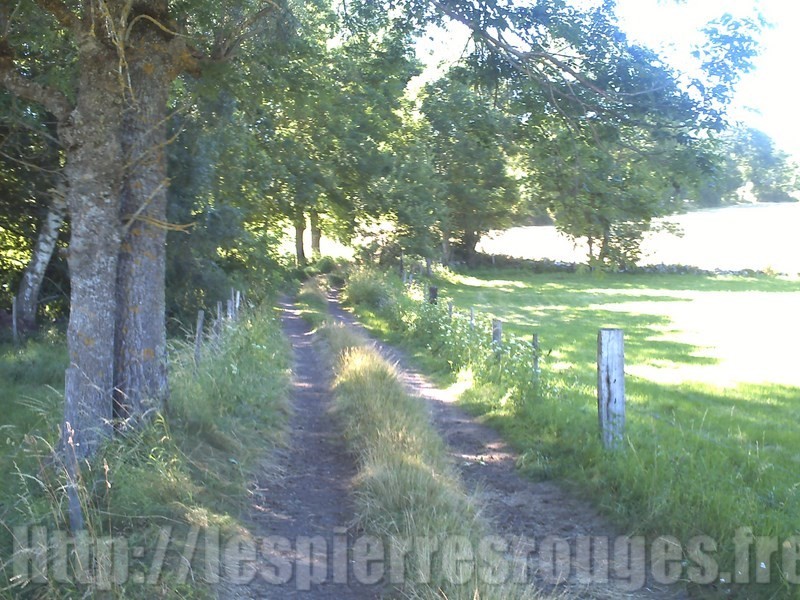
(299,231)
(140,382)
(94,156)
(28,293)
(316,235)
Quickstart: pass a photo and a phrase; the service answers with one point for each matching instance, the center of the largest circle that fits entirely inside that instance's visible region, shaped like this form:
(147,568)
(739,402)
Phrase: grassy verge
(162,498)
(409,494)
(313,301)
(700,459)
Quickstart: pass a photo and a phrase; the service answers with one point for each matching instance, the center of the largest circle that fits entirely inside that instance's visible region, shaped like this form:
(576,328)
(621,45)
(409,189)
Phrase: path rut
(301,517)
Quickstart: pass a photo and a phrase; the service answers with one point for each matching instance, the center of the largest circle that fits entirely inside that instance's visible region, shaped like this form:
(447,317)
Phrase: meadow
(713,397)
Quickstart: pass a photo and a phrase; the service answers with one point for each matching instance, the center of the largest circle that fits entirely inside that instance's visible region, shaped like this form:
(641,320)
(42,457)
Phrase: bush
(369,288)
(464,344)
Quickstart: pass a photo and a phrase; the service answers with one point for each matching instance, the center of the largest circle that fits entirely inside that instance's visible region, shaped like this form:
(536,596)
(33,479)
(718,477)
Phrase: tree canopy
(186,137)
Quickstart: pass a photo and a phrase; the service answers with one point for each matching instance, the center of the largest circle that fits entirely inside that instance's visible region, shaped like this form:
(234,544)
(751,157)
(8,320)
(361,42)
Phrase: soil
(311,497)
(305,512)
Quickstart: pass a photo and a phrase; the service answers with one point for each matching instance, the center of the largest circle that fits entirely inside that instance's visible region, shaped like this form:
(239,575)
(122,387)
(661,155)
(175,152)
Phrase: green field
(713,401)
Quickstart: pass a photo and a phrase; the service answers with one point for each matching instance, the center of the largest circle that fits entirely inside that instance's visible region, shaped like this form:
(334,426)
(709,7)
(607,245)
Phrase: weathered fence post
(218,322)
(611,386)
(497,331)
(535,346)
(14,327)
(230,310)
(450,310)
(472,317)
(198,337)
(238,301)
(433,294)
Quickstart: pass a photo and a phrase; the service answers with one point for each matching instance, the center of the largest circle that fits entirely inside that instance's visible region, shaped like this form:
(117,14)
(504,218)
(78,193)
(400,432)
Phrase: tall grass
(188,470)
(694,461)
(408,494)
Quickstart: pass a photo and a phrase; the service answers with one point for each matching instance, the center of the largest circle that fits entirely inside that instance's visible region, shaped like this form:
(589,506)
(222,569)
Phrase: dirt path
(540,519)
(300,517)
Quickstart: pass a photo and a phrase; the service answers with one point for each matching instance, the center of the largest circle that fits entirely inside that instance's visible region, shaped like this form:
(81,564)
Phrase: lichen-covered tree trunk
(94,156)
(31,284)
(141,344)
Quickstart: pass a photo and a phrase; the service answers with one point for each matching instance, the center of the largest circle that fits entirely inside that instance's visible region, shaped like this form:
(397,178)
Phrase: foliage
(229,242)
(29,163)
(773,176)
(189,467)
(470,146)
(369,287)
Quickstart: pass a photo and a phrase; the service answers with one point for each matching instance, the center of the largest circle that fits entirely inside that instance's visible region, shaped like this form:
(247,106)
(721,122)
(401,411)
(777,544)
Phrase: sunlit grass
(407,486)
(678,328)
(712,438)
(190,466)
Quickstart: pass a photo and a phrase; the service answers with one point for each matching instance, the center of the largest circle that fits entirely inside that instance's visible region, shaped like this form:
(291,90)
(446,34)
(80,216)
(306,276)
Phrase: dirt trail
(302,514)
(537,517)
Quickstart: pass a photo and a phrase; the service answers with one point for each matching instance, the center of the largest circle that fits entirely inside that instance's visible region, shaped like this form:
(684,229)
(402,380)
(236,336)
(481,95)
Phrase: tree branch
(52,100)
(227,46)
(520,59)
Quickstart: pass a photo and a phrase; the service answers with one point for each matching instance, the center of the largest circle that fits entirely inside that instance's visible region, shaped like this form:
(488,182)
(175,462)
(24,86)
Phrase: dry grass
(409,493)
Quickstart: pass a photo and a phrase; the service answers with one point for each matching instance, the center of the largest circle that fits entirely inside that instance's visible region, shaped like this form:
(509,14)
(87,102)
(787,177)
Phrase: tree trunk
(470,241)
(299,231)
(28,293)
(447,250)
(316,235)
(605,246)
(141,341)
(94,156)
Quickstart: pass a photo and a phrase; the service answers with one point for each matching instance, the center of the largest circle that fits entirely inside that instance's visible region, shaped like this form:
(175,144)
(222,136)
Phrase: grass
(409,495)
(701,458)
(313,301)
(187,473)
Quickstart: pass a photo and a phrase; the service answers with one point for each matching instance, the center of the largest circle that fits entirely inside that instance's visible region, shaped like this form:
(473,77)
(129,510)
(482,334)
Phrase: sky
(766,98)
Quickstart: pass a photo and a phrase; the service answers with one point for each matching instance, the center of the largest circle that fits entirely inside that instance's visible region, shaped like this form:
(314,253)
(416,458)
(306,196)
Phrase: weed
(188,468)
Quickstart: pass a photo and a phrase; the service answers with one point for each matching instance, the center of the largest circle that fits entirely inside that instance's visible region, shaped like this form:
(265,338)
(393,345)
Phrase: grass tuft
(408,493)
(188,468)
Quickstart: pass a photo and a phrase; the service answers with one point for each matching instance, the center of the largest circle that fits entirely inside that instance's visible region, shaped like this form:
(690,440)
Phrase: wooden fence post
(433,294)
(218,322)
(198,337)
(450,310)
(238,301)
(230,310)
(611,386)
(14,327)
(472,317)
(497,331)
(535,346)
